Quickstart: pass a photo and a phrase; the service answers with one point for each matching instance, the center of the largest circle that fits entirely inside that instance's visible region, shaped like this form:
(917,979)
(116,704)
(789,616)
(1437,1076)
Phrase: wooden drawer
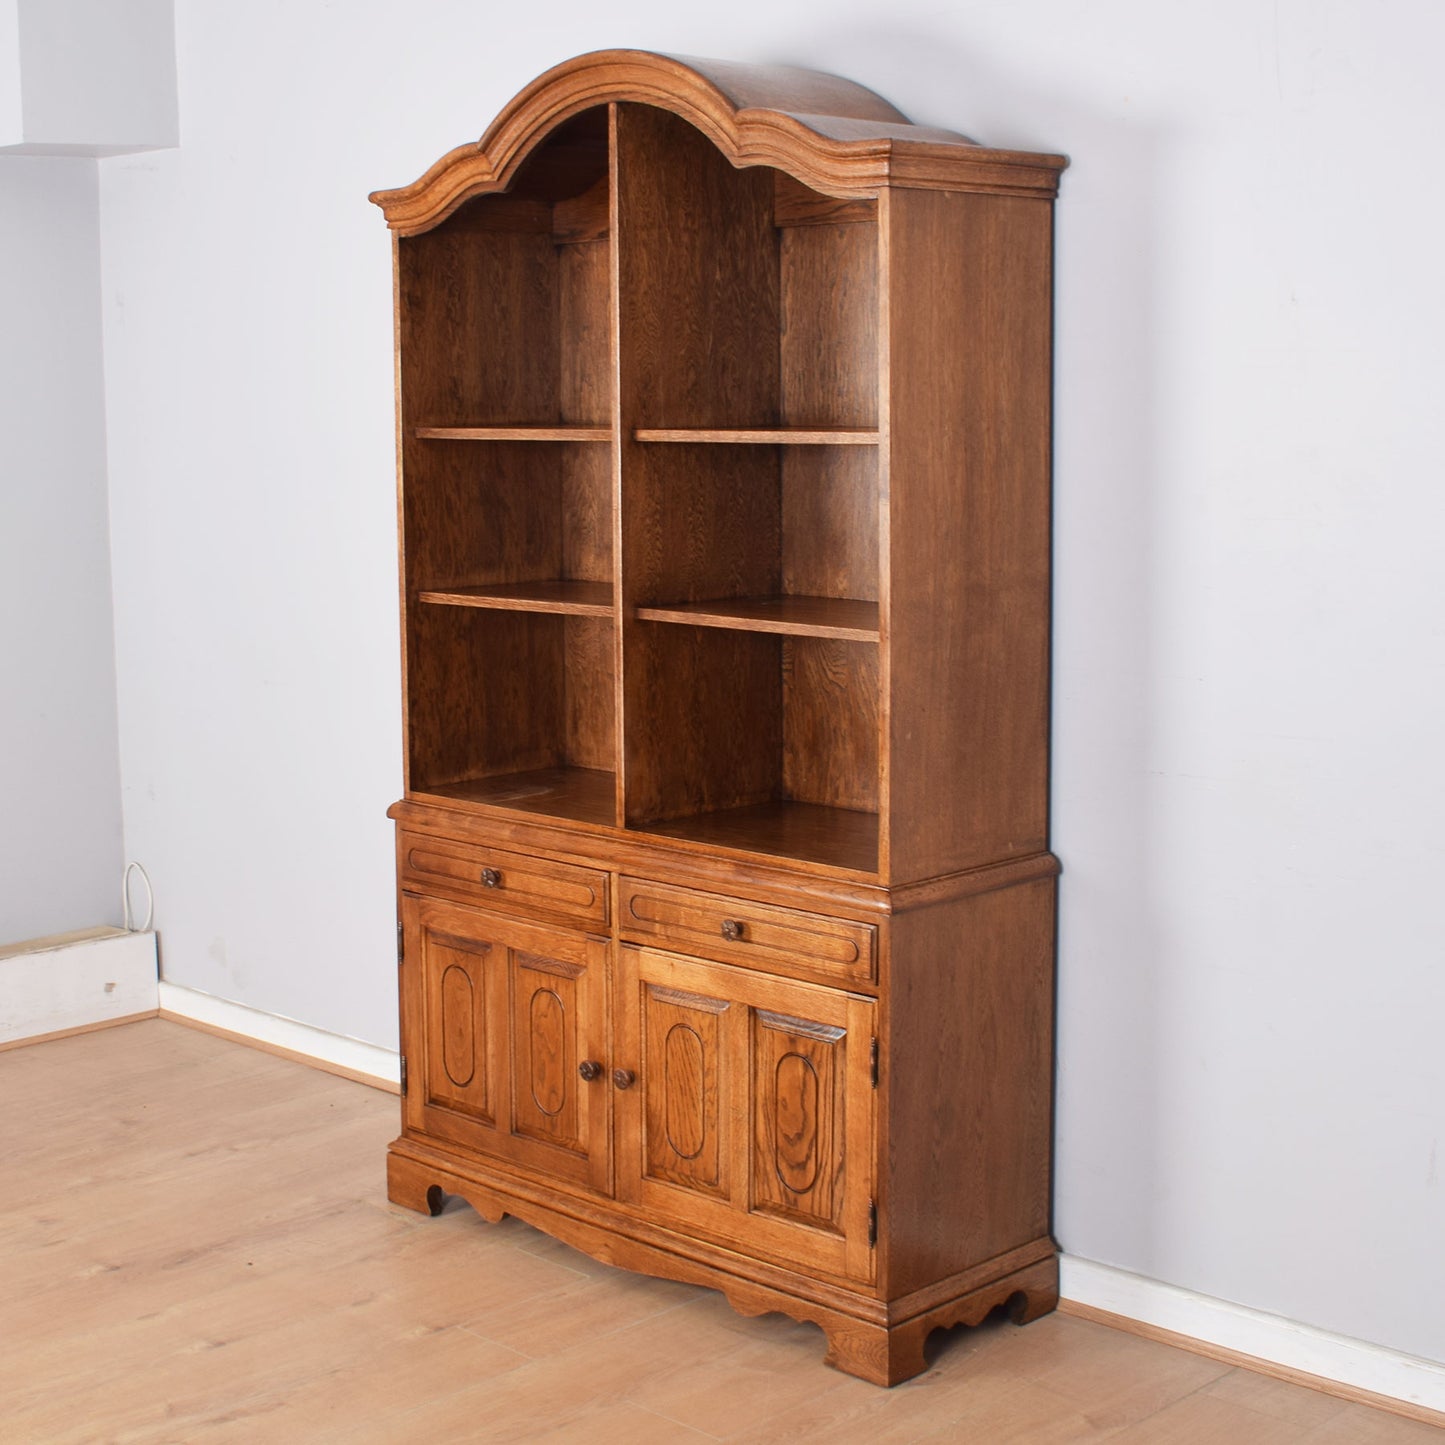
(755,935)
(508,882)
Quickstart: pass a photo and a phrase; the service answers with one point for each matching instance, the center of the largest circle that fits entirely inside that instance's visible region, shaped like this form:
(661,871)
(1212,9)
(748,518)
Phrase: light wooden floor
(195,1246)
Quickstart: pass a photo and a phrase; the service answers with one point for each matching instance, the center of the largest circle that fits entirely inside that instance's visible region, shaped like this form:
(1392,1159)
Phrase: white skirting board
(335,1051)
(1267,1337)
(74,981)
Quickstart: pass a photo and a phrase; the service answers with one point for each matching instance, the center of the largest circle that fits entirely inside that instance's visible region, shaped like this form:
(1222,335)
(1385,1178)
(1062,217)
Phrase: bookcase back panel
(829,324)
(830,722)
(589,693)
(495,692)
(584,386)
(482,512)
(698,287)
(505,305)
(704,720)
(829,522)
(479,324)
(701,522)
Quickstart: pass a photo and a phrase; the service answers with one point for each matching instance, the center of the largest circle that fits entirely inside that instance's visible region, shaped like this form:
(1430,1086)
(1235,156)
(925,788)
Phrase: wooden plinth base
(875,1340)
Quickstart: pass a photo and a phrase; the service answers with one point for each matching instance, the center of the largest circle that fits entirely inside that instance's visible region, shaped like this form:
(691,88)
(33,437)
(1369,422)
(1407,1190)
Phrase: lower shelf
(807,832)
(586,795)
(803,832)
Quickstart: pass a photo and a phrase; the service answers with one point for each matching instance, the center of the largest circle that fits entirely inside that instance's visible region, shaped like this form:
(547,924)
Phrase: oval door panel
(796,1127)
(548,1024)
(458,1009)
(683,1088)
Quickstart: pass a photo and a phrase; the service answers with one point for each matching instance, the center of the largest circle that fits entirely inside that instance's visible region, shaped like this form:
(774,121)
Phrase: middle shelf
(577,598)
(847,618)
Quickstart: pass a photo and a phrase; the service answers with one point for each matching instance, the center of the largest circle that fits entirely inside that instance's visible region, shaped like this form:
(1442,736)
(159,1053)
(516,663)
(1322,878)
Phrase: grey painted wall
(1249,692)
(60,823)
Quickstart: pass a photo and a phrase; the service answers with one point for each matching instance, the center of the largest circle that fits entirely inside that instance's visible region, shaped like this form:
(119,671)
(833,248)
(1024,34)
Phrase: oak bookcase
(726,911)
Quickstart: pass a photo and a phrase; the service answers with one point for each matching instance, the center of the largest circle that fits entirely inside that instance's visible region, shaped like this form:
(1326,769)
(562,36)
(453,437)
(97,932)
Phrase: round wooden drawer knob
(590,1069)
(623,1078)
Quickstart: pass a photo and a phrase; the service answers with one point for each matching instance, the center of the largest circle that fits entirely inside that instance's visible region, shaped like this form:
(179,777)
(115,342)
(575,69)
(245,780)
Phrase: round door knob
(623,1078)
(732,929)
(491,878)
(590,1069)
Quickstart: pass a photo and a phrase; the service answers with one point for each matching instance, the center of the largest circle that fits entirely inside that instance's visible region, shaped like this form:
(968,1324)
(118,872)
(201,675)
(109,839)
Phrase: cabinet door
(498,1017)
(749,1116)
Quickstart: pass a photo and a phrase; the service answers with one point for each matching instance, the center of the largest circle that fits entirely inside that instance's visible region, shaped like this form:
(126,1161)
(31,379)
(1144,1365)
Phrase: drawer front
(754,935)
(509,882)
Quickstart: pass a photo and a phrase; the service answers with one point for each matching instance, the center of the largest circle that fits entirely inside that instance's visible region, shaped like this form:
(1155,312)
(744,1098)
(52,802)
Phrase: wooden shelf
(579,599)
(796,436)
(585,795)
(809,832)
(514,433)
(840,617)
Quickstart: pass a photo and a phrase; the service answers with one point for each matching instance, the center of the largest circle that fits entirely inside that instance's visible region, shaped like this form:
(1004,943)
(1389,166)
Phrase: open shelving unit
(725,899)
(641,451)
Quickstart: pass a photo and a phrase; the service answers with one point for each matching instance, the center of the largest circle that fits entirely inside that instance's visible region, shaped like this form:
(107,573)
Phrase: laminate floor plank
(197,1248)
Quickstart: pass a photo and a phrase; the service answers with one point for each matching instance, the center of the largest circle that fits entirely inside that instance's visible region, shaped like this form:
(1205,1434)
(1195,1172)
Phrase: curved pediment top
(832,134)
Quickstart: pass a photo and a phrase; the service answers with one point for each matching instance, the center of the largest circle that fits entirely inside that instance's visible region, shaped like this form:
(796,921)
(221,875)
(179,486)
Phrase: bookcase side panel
(969,298)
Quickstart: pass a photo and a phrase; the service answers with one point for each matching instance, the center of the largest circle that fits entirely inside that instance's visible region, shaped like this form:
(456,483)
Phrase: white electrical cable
(125,899)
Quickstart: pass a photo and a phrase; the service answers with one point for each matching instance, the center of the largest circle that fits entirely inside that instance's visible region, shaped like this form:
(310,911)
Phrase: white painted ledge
(74,981)
(337,1053)
(1267,1337)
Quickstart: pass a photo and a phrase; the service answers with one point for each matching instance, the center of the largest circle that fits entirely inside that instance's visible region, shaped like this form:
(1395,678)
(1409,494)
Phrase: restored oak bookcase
(727,910)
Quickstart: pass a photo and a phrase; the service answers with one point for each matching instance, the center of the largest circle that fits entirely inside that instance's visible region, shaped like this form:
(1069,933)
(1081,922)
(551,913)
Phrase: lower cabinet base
(882,1342)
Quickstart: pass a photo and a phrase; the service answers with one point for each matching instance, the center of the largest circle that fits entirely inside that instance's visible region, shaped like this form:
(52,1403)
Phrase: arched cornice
(832,135)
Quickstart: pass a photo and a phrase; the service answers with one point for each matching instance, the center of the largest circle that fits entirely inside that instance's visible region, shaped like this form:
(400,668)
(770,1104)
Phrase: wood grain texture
(513,433)
(766,675)
(590,599)
(970,989)
(830,723)
(779,873)
(845,618)
(748,934)
(828,338)
(830,523)
(761,436)
(705,715)
(804,833)
(486,1066)
(698,279)
(832,135)
(794,204)
(580,795)
(968,541)
(728,1201)
(506,691)
(497,878)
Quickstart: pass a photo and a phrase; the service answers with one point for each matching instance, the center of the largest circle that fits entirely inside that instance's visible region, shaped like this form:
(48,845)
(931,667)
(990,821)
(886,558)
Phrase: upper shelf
(798,436)
(514,433)
(580,599)
(833,135)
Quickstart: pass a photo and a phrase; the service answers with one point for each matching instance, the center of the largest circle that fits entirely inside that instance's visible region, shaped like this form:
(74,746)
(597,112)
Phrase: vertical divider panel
(620,418)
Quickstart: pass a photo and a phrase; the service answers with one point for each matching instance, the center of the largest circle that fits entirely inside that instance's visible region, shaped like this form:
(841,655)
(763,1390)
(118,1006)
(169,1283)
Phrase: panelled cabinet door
(745,1109)
(499,1019)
